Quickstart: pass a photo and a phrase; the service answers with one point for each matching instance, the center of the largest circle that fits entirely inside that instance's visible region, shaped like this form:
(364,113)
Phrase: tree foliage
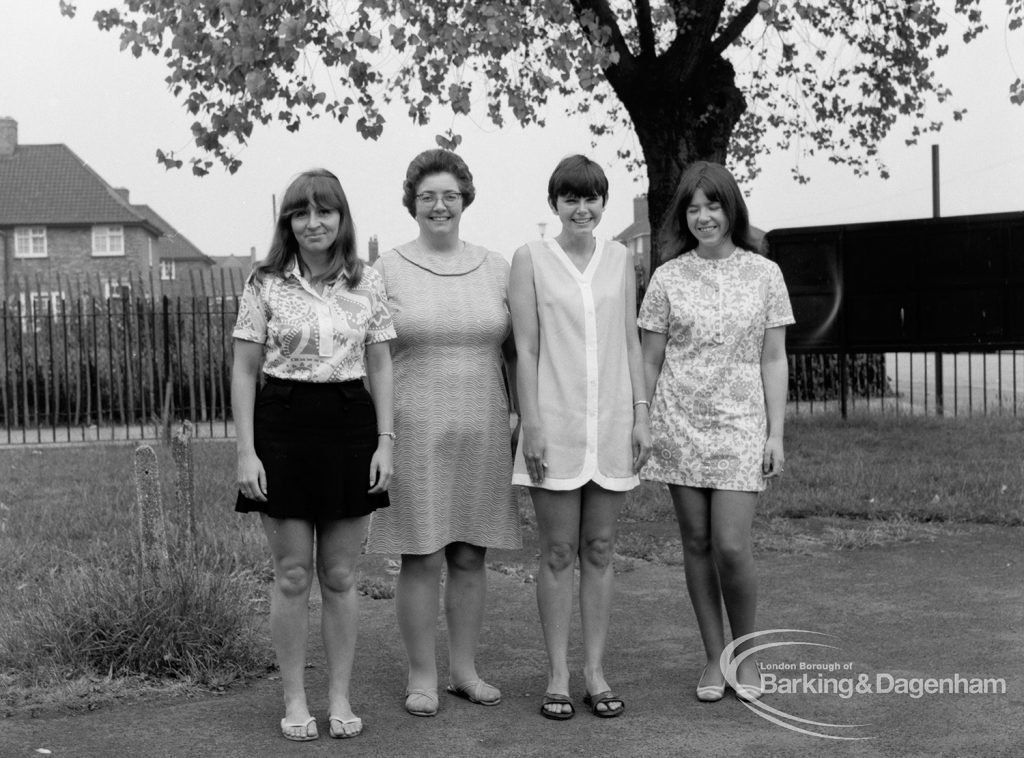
(691,79)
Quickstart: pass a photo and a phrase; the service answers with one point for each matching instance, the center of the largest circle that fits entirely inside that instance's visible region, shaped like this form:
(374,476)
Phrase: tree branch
(735,27)
(602,10)
(646,28)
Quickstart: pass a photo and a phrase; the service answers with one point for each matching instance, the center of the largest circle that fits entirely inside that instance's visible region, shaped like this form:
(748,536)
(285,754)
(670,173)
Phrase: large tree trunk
(678,120)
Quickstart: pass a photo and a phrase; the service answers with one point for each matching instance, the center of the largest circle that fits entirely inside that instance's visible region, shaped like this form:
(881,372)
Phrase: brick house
(61,223)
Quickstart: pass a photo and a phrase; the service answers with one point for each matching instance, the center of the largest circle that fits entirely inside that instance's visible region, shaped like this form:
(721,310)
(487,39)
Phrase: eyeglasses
(430,198)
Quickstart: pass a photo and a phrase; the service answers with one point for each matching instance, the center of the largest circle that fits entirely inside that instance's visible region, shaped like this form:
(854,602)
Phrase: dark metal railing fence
(81,362)
(951,384)
(88,363)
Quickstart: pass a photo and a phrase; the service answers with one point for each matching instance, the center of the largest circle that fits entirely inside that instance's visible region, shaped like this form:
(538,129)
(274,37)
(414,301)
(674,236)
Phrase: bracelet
(387,434)
(641,402)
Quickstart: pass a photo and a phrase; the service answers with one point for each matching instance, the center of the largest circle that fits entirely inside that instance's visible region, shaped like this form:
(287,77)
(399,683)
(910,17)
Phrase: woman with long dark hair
(714,345)
(314,447)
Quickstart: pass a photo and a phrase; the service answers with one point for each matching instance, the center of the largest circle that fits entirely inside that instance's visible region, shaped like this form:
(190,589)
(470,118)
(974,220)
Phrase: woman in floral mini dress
(714,324)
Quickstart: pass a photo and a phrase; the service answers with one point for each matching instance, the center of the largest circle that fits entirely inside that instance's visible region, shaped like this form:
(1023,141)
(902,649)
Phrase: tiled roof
(50,185)
(172,245)
(636,229)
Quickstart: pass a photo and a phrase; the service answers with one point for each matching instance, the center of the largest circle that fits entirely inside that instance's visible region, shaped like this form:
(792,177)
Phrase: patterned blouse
(311,337)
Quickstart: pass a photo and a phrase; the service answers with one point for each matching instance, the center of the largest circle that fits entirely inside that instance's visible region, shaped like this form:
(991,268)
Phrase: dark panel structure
(943,284)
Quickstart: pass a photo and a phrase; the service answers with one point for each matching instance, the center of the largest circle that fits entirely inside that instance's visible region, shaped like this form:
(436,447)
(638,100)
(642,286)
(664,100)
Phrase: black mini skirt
(315,442)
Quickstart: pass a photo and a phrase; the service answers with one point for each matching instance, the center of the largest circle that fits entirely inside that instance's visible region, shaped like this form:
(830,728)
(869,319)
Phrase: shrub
(181,622)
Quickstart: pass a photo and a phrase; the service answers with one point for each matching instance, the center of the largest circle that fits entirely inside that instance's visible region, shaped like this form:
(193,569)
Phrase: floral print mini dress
(708,417)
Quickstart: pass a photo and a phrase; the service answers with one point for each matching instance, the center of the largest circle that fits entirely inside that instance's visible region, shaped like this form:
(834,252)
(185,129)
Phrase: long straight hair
(718,186)
(322,189)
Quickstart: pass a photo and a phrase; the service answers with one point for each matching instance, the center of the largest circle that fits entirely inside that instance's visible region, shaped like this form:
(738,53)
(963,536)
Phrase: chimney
(122,193)
(8,137)
(374,249)
(640,208)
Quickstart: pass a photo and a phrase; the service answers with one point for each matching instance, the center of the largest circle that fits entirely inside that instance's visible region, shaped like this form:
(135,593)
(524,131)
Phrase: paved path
(928,610)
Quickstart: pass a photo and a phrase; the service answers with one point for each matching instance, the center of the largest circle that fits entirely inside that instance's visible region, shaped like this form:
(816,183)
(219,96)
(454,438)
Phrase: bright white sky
(65,81)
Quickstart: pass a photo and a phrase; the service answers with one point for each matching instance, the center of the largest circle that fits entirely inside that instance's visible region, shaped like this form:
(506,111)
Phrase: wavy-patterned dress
(453,464)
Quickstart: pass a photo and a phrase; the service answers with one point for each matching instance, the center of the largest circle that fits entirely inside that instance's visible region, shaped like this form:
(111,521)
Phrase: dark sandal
(550,699)
(607,698)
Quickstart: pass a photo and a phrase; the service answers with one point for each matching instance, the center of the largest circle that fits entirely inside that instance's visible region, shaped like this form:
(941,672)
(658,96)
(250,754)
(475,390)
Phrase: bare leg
(291,548)
(465,593)
(558,528)
(598,513)
(693,511)
(338,546)
(417,594)
(732,514)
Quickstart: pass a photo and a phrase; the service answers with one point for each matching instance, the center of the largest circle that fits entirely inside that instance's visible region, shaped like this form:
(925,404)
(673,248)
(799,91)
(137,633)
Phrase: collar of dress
(468,259)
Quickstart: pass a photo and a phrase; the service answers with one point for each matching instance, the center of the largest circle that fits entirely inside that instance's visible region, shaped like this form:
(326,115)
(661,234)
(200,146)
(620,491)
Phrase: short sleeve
(778,310)
(251,324)
(655,309)
(380,327)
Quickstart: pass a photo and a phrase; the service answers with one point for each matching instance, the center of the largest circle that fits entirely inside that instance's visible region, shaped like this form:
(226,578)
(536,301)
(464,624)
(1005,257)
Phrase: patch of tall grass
(77,602)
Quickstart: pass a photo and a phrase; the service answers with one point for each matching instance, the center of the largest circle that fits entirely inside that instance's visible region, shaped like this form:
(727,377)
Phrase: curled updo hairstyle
(577,175)
(718,186)
(431,162)
(320,188)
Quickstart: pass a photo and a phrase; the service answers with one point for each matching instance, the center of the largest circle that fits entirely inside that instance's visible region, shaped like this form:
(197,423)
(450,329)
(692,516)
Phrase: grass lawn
(866,481)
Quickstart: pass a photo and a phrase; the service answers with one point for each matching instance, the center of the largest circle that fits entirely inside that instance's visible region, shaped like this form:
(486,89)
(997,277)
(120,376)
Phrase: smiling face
(315,228)
(579,215)
(438,204)
(707,221)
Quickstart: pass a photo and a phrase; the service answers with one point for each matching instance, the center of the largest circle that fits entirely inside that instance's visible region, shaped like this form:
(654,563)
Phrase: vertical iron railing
(84,361)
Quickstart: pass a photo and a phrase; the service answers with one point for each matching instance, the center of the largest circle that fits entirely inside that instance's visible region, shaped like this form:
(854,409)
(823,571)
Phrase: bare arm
(653,357)
(641,400)
(378,373)
(522,301)
(245,369)
(775,378)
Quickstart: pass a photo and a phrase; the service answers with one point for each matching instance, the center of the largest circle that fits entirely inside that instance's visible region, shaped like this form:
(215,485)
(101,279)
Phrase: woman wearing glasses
(451,495)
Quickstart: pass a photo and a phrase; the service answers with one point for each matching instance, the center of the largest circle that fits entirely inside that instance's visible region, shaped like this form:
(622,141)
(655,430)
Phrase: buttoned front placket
(590,338)
(322,307)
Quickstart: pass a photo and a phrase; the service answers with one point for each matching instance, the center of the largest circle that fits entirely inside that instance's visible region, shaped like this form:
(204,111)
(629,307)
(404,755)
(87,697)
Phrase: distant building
(373,251)
(60,222)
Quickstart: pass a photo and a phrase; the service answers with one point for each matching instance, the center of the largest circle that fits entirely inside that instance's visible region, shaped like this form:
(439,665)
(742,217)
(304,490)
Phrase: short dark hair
(436,161)
(577,175)
(319,187)
(718,186)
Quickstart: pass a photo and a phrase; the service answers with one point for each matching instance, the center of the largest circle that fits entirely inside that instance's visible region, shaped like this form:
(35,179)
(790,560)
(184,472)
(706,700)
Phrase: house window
(114,289)
(30,242)
(38,307)
(167,271)
(107,240)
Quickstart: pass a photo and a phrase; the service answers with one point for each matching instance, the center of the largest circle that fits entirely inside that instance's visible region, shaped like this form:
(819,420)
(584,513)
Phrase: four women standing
(713,360)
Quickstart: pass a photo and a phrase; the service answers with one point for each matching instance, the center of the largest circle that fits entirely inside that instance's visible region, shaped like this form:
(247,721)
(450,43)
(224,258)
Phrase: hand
(534,448)
(252,479)
(641,443)
(381,467)
(774,459)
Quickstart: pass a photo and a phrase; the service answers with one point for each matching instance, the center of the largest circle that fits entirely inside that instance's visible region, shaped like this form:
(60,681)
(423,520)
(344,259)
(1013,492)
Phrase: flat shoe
(606,697)
(750,692)
(308,728)
(709,693)
(551,699)
(476,691)
(429,695)
(340,733)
